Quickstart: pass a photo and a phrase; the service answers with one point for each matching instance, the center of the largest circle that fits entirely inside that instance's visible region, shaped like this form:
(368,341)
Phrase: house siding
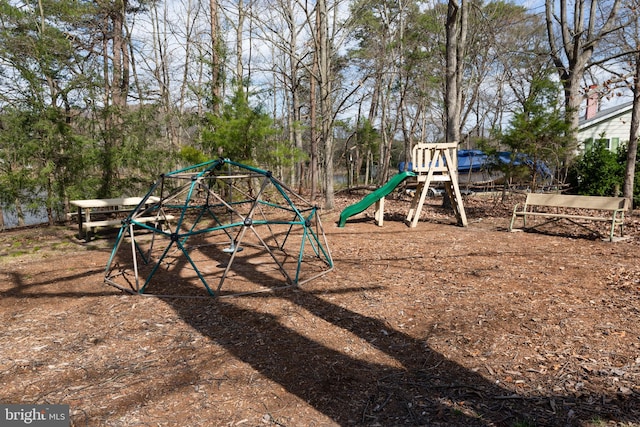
(614,127)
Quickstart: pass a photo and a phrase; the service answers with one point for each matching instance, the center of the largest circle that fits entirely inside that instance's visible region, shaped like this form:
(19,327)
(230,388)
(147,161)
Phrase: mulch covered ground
(433,325)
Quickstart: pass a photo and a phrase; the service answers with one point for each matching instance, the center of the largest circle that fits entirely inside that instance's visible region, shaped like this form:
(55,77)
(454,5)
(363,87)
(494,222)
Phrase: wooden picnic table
(104,207)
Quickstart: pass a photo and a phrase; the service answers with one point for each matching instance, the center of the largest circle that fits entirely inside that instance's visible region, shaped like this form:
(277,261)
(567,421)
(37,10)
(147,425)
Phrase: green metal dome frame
(273,238)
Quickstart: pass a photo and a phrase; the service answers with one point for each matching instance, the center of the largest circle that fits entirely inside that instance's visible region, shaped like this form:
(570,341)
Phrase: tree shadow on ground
(21,287)
(418,387)
(410,384)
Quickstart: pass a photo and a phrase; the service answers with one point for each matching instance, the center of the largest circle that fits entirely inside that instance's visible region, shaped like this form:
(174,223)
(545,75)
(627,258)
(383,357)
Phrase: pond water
(30,218)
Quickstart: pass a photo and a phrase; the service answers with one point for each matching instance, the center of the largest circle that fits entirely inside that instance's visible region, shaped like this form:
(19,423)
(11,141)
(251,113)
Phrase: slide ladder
(435,163)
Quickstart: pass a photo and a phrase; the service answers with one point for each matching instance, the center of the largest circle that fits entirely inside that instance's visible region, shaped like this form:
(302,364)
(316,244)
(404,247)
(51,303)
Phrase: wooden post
(379,213)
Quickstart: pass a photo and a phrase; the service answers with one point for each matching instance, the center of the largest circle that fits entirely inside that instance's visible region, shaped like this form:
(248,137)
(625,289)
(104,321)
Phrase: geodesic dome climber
(218,228)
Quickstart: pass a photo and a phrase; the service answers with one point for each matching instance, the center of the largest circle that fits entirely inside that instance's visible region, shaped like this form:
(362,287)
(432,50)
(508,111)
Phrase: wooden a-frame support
(435,163)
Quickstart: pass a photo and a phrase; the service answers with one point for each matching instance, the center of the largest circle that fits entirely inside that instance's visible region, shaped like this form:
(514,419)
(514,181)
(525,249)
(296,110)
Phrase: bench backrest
(578,202)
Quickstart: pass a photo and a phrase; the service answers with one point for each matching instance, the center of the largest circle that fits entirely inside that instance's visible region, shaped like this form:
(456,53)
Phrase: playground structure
(429,163)
(237,230)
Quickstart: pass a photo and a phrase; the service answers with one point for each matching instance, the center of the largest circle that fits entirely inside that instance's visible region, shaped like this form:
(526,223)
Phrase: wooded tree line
(97,98)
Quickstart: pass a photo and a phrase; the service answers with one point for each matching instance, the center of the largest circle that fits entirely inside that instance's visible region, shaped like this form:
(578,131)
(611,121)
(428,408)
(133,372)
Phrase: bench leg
(513,220)
(617,221)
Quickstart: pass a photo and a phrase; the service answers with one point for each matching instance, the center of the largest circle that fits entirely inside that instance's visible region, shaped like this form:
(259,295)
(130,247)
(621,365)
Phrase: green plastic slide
(370,199)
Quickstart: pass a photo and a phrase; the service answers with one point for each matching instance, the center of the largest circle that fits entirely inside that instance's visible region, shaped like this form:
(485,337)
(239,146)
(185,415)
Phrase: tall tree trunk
(216,60)
(386,129)
(161,71)
(456,31)
(239,41)
(388,132)
(189,31)
(634,133)
(117,77)
(295,131)
(313,127)
(456,40)
(326,103)
(20,214)
(121,76)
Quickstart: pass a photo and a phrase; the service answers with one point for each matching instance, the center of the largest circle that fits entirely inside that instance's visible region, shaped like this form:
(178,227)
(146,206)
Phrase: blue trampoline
(478,160)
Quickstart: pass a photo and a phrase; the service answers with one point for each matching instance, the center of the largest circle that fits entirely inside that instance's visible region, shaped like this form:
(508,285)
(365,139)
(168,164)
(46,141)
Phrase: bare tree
(382,27)
(619,61)
(239,41)
(294,86)
(631,44)
(160,71)
(634,131)
(284,26)
(116,73)
(216,57)
(573,37)
(456,29)
(321,97)
(324,77)
(192,10)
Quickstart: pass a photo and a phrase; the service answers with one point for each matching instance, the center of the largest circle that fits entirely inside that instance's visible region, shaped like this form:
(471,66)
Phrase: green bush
(597,172)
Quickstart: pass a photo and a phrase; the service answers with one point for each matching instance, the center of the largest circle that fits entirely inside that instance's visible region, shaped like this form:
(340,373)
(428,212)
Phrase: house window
(588,144)
(612,144)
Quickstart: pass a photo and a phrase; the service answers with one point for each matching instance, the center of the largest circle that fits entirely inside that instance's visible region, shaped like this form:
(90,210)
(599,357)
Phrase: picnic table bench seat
(92,225)
(112,213)
(560,206)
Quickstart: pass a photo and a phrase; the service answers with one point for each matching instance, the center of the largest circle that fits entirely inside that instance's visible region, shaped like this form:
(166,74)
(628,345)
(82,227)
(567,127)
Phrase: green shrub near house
(600,172)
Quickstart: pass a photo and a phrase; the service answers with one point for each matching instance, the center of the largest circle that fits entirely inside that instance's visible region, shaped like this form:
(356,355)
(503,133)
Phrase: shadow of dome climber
(218,228)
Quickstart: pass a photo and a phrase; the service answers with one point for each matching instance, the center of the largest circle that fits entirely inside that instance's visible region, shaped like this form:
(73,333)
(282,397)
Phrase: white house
(611,125)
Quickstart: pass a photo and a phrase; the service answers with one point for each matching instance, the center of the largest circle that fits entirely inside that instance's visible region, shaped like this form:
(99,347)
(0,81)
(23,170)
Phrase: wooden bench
(115,210)
(555,207)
